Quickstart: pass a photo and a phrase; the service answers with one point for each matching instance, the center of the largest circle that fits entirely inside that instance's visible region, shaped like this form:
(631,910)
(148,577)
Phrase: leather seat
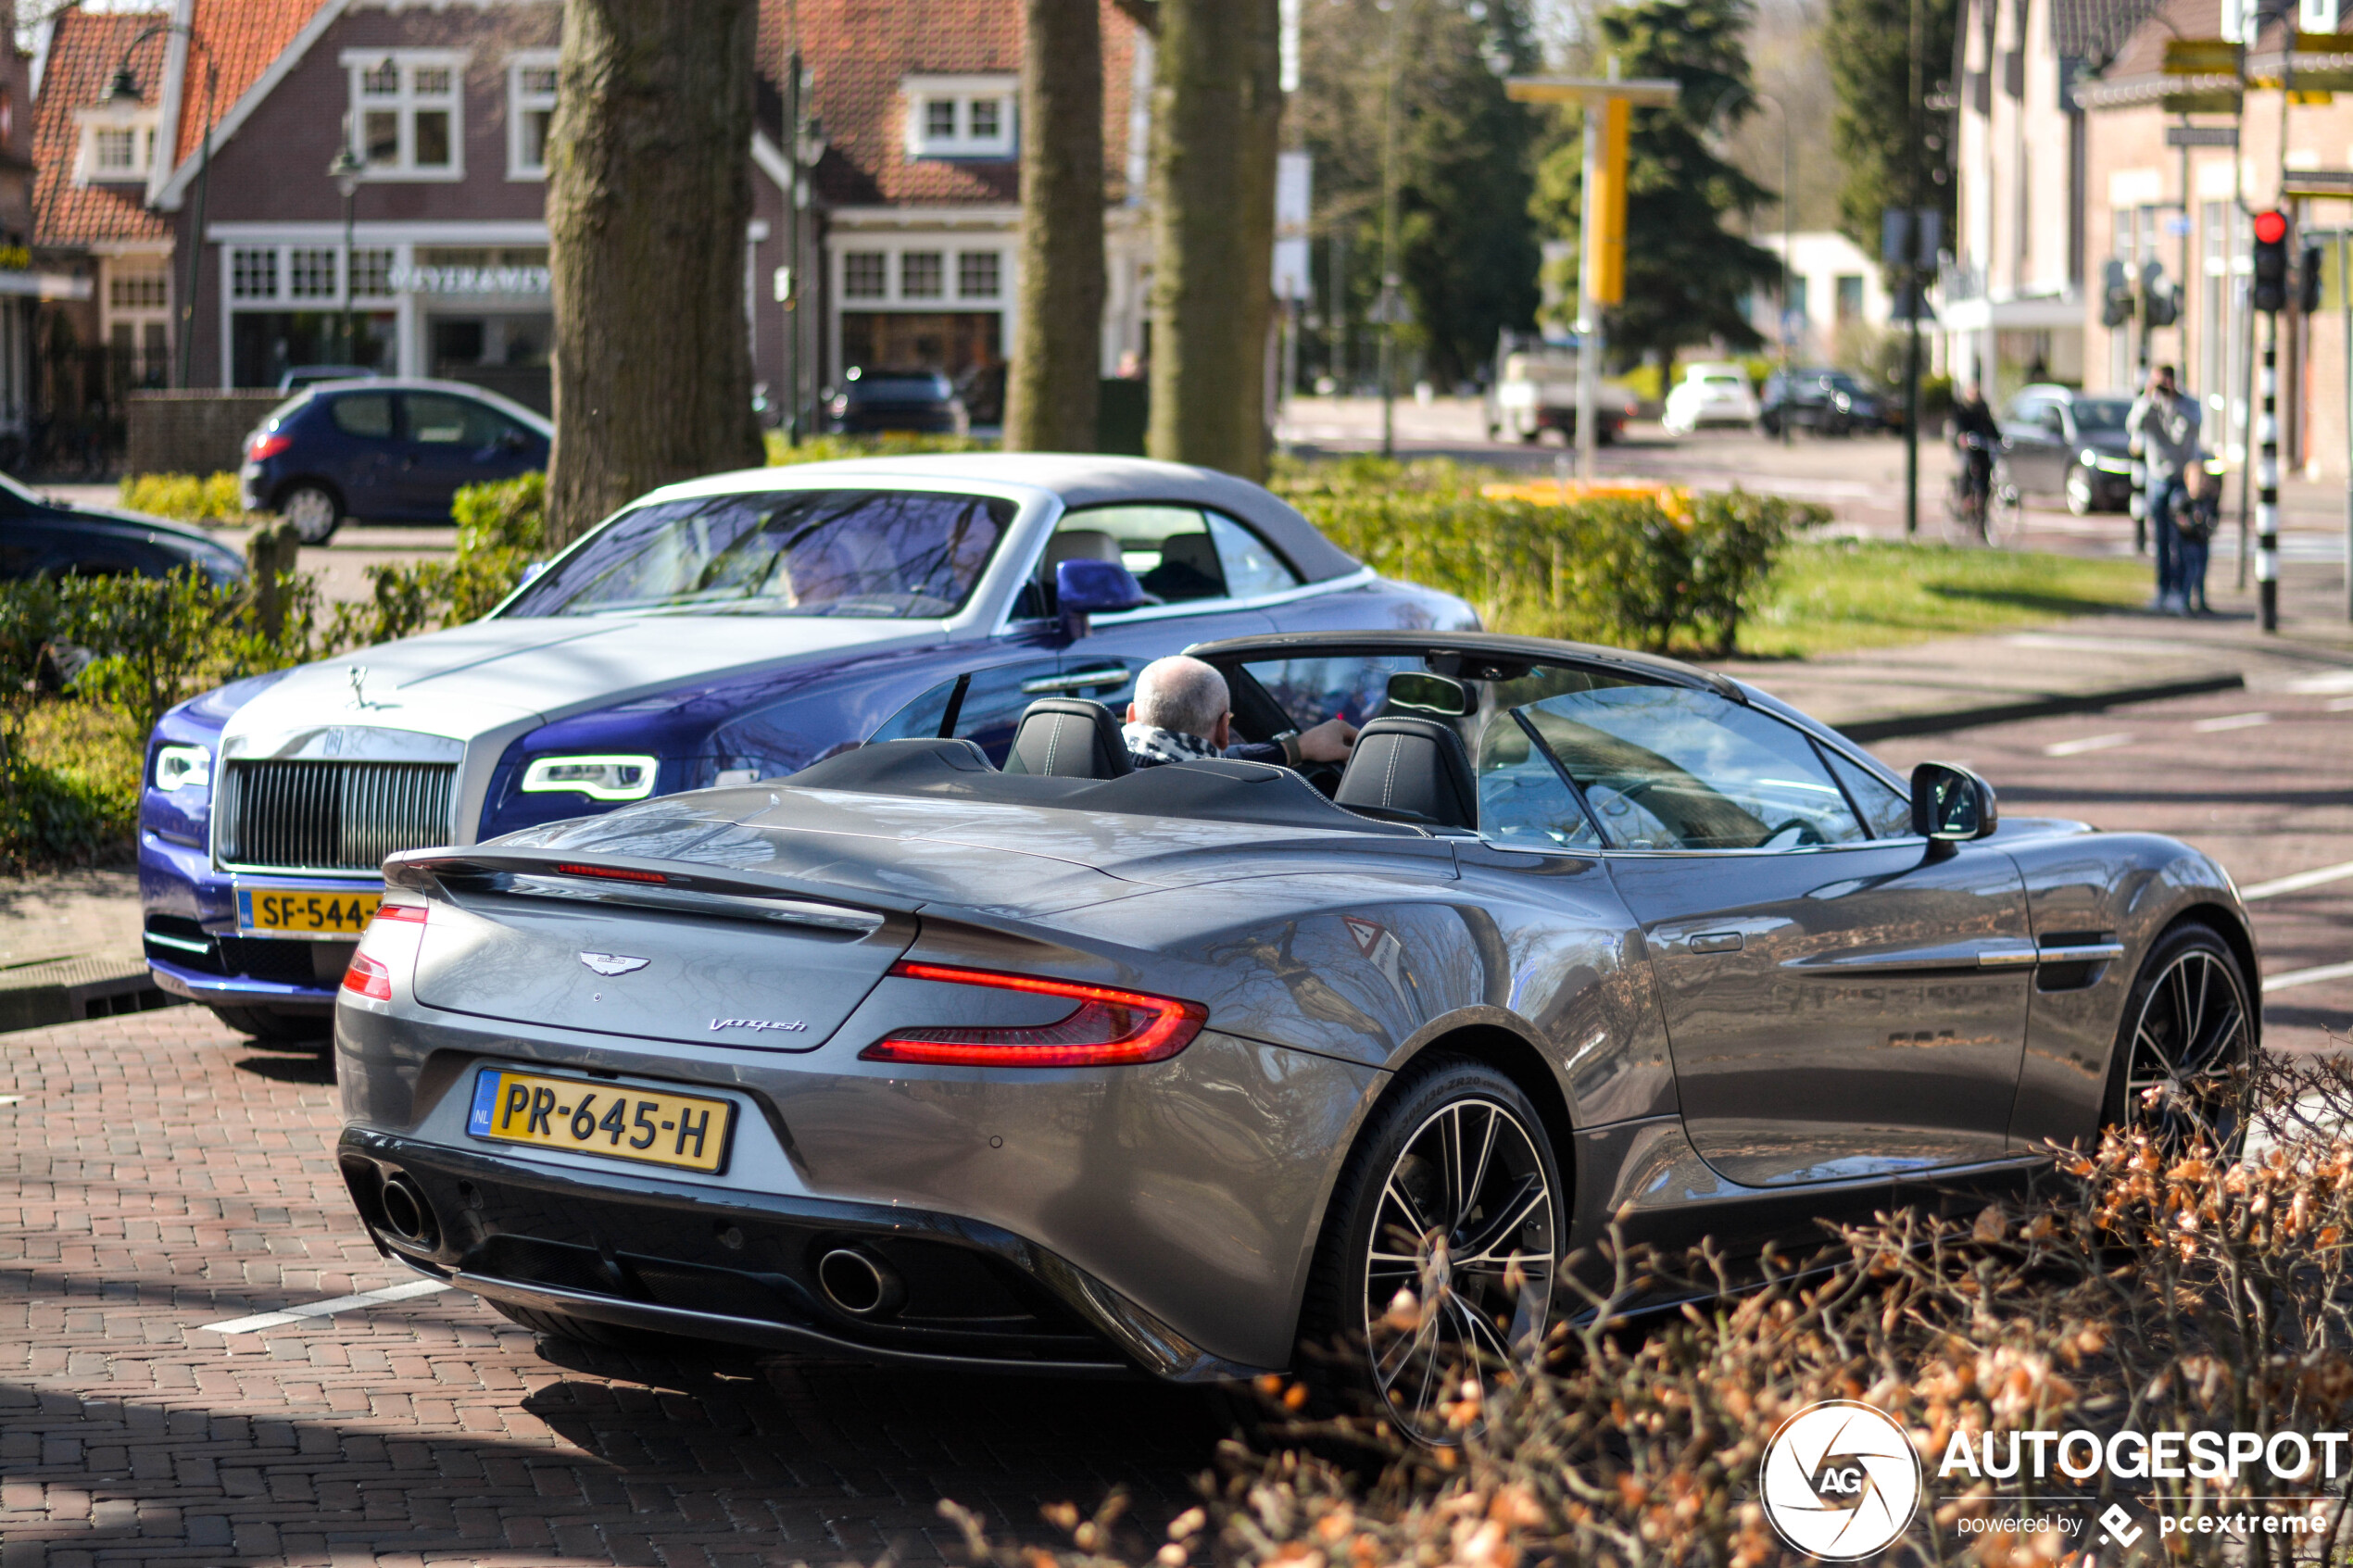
(1411,769)
(1069,738)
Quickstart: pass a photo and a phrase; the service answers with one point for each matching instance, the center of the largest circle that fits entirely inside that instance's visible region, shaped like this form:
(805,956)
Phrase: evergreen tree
(1868,43)
(1467,250)
(1687,277)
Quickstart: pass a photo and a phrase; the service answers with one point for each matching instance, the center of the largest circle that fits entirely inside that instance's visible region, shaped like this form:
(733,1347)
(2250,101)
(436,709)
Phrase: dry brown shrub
(2133,1287)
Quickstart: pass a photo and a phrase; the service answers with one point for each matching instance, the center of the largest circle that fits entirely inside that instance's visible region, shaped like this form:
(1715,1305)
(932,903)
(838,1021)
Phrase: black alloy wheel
(2186,1037)
(1441,1249)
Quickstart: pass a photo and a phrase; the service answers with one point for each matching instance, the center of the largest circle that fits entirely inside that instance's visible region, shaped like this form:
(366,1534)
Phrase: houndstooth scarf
(1150,746)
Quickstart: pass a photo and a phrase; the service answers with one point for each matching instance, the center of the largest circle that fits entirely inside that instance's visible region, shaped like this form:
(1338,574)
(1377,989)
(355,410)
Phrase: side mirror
(1950,804)
(1085,588)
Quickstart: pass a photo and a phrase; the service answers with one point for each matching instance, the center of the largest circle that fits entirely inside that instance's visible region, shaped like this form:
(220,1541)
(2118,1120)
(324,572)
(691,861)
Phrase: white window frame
(144,265)
(406,103)
(140,123)
(951,247)
(521,102)
(921,91)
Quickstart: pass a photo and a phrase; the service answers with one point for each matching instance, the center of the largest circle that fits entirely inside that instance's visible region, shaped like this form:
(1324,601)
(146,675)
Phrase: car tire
(559,1325)
(275,1028)
(2192,987)
(315,511)
(1352,1354)
(2082,498)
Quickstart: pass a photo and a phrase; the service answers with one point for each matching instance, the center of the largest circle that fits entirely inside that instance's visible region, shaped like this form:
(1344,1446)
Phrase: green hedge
(1607,568)
(185,498)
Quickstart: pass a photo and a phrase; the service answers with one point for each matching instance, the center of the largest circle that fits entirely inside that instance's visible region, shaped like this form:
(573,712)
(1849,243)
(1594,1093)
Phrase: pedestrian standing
(2198,514)
(2166,423)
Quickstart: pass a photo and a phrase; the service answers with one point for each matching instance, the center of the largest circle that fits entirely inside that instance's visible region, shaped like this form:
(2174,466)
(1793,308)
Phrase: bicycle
(1980,513)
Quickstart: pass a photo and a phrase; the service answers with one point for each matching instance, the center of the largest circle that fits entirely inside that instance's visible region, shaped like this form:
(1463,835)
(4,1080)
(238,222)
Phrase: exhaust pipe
(860,1282)
(407,1213)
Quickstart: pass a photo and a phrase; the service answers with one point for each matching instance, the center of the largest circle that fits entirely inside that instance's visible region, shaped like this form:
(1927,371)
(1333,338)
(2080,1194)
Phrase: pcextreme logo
(1840,1480)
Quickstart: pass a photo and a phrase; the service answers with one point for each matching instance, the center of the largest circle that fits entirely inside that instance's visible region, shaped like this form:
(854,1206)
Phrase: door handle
(1717,941)
(1077,682)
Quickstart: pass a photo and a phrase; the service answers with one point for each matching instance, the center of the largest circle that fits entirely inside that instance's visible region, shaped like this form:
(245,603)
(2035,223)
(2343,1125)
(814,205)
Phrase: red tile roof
(858,51)
(244,36)
(83,51)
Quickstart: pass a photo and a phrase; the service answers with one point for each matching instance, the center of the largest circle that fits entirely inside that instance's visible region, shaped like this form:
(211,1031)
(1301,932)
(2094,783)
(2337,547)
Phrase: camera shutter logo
(1840,1480)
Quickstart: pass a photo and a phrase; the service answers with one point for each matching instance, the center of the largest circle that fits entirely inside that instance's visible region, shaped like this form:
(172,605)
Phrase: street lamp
(1789,257)
(125,89)
(805,147)
(344,172)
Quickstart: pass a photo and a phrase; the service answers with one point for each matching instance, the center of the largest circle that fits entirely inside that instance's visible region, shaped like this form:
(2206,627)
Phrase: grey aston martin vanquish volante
(1076,1069)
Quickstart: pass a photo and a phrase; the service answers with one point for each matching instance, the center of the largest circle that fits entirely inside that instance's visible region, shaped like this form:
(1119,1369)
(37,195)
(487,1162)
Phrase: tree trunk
(648,197)
(1055,385)
(1217,109)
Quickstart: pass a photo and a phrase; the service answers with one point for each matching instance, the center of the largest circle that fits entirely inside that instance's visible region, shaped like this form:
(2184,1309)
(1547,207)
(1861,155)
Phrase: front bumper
(741,1267)
(195,951)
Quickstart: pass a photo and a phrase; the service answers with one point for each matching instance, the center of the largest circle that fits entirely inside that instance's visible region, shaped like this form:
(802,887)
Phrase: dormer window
(970,116)
(407,116)
(117,144)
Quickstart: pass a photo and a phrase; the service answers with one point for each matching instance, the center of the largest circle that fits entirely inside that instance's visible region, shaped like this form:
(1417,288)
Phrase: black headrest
(1413,771)
(1069,738)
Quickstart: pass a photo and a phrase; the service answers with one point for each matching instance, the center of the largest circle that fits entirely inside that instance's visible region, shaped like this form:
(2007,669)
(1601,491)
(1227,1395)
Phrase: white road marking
(2231,721)
(324,1309)
(2334,681)
(2089,743)
(11,1099)
(2307,976)
(2298,882)
(2339,705)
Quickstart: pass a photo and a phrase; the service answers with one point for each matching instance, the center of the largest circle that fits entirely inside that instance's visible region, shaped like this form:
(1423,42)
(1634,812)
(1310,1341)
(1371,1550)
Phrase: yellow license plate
(689,1132)
(327,911)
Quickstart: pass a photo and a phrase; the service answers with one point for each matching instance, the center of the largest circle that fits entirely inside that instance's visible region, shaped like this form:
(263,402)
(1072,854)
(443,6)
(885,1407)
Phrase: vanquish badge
(1840,1480)
(791,1026)
(613,963)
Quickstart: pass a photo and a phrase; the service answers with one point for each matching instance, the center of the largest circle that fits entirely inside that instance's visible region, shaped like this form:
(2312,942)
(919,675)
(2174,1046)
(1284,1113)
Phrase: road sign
(1642,92)
(2201,56)
(2318,182)
(1895,237)
(2210,100)
(1606,249)
(2201,135)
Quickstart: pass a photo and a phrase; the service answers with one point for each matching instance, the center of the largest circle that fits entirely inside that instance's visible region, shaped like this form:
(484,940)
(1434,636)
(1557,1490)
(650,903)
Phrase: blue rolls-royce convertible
(735,628)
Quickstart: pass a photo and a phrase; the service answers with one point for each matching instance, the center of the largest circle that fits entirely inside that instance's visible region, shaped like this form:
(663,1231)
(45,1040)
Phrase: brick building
(2064,163)
(909,227)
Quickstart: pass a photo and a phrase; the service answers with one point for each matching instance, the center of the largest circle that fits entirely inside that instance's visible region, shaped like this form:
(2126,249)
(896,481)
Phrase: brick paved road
(160,1172)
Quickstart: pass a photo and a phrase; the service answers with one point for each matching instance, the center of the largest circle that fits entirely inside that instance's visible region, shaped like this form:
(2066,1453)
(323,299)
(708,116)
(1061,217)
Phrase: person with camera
(2165,423)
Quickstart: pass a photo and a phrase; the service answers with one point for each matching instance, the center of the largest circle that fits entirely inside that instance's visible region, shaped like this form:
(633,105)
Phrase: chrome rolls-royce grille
(330,816)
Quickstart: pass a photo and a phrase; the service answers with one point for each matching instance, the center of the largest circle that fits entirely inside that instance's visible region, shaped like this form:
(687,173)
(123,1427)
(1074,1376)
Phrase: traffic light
(2308,280)
(2160,301)
(2116,303)
(2270,260)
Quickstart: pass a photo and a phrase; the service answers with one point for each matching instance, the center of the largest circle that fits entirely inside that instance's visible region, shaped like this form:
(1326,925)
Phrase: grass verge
(1840,595)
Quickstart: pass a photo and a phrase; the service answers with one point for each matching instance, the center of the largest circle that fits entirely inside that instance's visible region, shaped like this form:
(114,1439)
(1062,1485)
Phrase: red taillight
(1107,1028)
(368,977)
(613,873)
(266,444)
(414,914)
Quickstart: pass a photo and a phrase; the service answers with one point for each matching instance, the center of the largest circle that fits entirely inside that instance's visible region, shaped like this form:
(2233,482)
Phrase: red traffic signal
(2269,292)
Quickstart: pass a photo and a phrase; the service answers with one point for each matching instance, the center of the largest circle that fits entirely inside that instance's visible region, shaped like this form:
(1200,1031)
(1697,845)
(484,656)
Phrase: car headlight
(599,778)
(183,767)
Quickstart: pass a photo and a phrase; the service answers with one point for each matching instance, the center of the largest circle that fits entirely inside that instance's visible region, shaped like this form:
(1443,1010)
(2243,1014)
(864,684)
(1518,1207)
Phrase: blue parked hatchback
(384,451)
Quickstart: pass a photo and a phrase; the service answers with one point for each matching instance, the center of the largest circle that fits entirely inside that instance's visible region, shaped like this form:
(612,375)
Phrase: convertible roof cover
(1470,649)
(1081,480)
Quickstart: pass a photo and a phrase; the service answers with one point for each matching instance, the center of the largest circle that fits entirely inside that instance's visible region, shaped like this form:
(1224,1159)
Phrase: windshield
(2100,413)
(886,553)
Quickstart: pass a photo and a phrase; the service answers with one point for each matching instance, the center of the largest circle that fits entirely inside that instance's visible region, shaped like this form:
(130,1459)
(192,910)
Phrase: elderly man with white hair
(1182,712)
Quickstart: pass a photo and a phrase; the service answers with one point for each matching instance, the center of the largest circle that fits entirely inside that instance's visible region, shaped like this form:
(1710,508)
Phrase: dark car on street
(384,451)
(1056,1066)
(42,537)
(1826,402)
(2056,441)
(914,402)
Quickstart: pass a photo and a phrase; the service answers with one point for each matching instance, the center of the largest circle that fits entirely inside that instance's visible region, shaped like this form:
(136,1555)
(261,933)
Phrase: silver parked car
(1075,1068)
